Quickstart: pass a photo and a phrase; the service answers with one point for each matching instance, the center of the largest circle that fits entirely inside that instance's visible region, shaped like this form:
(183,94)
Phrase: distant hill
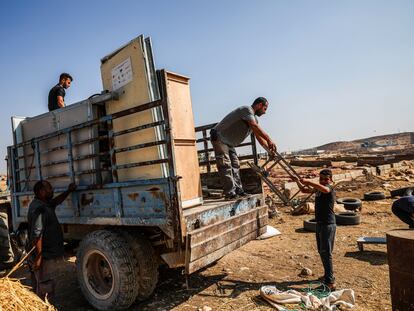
(389,141)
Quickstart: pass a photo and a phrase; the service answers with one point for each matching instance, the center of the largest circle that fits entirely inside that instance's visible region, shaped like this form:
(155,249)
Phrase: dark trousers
(44,279)
(325,238)
(228,166)
(403,208)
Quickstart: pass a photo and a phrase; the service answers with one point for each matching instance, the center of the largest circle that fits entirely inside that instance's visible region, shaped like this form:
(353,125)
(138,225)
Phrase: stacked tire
(350,204)
(348,219)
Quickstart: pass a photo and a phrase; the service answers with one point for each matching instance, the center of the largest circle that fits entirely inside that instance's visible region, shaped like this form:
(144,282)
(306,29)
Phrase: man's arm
(302,188)
(38,259)
(38,231)
(60,101)
(61,197)
(316,186)
(262,136)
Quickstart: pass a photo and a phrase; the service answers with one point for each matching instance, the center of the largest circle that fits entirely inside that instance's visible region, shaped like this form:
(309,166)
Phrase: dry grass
(15,296)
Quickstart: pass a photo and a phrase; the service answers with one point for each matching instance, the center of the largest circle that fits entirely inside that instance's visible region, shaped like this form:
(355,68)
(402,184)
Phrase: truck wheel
(106,270)
(6,253)
(147,265)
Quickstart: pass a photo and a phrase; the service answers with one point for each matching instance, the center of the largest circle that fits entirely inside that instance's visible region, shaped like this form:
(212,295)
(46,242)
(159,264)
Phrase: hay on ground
(14,296)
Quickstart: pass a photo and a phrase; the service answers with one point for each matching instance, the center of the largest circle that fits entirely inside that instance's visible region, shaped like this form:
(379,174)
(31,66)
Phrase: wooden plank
(227,237)
(212,257)
(183,134)
(200,235)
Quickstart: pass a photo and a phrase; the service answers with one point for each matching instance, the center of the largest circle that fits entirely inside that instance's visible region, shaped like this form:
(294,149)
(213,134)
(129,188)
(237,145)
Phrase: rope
(318,289)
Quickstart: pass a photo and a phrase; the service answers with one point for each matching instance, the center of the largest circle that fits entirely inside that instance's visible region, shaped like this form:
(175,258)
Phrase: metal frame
(274,158)
(206,150)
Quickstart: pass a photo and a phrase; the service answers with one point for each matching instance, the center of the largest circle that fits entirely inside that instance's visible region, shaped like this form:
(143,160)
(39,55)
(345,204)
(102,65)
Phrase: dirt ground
(233,282)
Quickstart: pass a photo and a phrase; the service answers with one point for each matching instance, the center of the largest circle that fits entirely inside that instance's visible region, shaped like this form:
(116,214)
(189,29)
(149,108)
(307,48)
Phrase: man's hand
(72,187)
(272,146)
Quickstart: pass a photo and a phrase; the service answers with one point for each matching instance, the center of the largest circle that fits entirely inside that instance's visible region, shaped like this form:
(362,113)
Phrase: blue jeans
(325,238)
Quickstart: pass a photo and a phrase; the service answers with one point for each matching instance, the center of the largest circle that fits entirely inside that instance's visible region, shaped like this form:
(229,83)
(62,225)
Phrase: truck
(127,219)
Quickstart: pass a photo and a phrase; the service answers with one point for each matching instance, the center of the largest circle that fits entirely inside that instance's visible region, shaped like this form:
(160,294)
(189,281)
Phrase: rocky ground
(233,282)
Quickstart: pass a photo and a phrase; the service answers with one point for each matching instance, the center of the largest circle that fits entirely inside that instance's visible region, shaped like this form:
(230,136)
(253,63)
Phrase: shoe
(231,196)
(331,286)
(321,279)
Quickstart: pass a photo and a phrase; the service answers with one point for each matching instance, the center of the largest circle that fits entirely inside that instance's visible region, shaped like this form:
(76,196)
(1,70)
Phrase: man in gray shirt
(228,134)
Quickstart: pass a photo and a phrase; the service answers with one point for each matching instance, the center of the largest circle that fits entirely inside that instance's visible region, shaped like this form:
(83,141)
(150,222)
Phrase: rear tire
(147,265)
(106,270)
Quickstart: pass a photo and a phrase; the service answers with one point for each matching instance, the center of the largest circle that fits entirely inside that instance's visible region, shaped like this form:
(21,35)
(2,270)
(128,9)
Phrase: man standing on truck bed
(228,134)
(57,94)
(45,234)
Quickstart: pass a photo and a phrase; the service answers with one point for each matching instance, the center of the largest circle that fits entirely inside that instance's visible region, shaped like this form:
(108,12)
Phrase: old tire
(6,253)
(402,192)
(106,270)
(350,204)
(374,195)
(309,225)
(147,266)
(348,218)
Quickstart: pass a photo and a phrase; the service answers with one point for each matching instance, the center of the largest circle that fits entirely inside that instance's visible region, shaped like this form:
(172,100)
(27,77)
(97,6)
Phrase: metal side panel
(208,244)
(144,205)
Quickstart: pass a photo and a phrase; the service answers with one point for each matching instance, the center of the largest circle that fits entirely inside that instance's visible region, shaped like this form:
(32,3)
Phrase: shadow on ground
(375,258)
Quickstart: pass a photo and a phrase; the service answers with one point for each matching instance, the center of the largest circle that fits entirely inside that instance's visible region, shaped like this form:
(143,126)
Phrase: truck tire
(374,195)
(106,265)
(348,218)
(309,225)
(6,252)
(350,204)
(147,264)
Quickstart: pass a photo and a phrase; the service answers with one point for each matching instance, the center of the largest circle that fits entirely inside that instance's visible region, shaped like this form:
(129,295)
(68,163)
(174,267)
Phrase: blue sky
(331,70)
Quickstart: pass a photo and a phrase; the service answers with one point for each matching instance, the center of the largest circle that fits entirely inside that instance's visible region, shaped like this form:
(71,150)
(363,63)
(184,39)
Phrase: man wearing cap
(231,132)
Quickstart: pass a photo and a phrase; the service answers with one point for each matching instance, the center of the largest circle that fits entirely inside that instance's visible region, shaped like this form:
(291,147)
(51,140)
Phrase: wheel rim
(98,274)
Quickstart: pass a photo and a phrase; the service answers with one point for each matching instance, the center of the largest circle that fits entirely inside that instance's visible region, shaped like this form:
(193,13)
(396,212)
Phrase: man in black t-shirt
(57,94)
(45,234)
(325,220)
